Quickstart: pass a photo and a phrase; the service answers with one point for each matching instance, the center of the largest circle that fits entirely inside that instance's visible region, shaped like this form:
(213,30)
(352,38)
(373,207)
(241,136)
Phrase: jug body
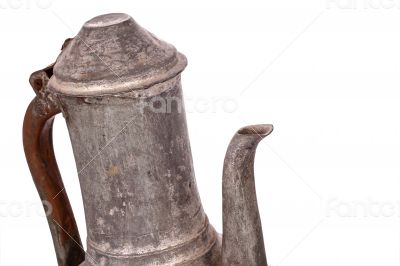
(136,174)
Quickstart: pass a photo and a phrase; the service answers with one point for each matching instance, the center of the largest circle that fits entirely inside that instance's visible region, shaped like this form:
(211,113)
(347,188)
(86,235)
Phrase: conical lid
(113,54)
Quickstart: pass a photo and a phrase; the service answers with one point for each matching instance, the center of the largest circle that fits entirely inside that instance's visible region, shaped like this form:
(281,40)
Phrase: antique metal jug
(133,156)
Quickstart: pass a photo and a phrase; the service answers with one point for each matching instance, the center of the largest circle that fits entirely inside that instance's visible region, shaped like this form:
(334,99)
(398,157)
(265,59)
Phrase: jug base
(211,257)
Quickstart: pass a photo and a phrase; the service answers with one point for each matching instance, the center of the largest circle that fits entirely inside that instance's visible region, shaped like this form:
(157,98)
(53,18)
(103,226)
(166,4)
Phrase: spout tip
(261,130)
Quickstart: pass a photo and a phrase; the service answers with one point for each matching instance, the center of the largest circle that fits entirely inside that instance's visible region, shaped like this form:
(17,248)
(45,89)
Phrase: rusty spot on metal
(113,171)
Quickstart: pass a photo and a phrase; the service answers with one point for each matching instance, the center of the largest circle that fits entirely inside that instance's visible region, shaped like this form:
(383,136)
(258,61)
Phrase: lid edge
(119,85)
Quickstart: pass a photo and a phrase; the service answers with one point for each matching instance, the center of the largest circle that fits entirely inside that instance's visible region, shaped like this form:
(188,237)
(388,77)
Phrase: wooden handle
(39,152)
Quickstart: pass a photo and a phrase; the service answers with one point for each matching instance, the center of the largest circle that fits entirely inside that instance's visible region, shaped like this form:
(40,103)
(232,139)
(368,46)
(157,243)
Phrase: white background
(325,73)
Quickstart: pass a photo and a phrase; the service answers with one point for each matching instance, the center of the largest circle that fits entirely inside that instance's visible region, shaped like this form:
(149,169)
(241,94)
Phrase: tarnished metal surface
(113,54)
(119,89)
(137,180)
(243,242)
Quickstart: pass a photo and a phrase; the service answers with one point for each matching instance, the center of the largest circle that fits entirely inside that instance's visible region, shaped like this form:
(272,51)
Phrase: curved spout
(242,242)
